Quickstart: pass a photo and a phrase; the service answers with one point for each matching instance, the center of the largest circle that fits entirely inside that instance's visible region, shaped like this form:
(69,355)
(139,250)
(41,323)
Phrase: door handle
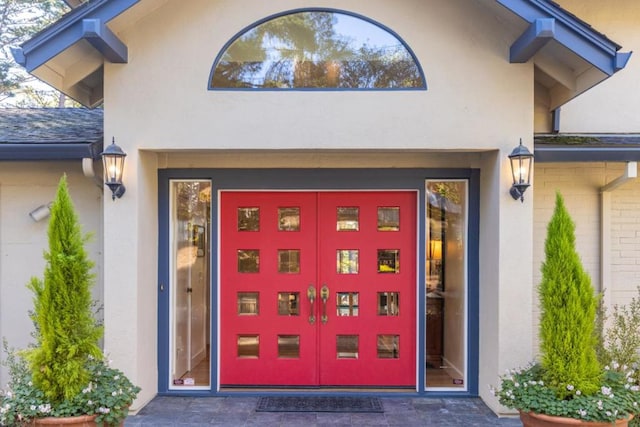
(311,294)
(324,296)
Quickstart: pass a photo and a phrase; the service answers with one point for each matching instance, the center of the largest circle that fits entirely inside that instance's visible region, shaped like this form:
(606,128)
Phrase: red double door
(318,289)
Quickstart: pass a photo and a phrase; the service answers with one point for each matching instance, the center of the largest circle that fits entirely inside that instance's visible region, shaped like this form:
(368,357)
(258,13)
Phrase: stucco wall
(23,187)
(477,106)
(610,106)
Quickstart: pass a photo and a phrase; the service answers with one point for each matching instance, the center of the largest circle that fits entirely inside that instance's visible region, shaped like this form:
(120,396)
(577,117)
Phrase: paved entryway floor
(240,411)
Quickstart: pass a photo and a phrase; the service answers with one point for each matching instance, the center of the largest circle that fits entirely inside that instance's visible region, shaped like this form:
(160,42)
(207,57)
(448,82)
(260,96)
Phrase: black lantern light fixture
(521,164)
(113,162)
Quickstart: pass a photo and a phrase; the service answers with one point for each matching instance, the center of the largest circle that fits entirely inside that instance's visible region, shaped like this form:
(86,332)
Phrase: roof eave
(87,22)
(36,151)
(547,21)
(545,154)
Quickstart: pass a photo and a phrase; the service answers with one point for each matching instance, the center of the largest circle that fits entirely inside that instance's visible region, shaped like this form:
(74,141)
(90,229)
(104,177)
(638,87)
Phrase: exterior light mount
(113,162)
(521,164)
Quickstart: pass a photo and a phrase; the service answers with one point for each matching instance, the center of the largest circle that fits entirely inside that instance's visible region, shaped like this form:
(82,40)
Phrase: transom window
(316,49)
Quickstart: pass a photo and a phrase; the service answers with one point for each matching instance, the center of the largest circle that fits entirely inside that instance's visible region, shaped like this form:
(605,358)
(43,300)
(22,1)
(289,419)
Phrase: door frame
(318,180)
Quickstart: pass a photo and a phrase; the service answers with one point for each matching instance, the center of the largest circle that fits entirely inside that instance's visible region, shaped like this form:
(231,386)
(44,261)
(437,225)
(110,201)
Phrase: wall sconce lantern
(113,161)
(521,162)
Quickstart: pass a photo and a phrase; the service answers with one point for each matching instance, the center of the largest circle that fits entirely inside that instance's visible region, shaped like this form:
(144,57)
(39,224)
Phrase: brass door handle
(311,294)
(324,296)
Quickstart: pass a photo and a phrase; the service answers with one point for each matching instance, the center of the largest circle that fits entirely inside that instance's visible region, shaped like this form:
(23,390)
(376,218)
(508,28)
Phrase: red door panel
(363,334)
(267,367)
(396,363)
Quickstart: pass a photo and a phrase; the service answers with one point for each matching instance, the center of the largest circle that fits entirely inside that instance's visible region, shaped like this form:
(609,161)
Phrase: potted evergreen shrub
(568,385)
(64,378)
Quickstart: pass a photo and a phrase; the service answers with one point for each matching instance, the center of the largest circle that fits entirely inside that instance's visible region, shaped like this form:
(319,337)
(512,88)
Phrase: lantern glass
(113,168)
(521,169)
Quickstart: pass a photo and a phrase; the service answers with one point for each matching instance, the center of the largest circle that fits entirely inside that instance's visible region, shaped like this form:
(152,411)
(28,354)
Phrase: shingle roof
(50,133)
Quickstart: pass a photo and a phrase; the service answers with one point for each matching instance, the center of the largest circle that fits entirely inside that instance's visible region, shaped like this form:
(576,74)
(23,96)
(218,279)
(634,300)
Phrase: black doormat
(319,404)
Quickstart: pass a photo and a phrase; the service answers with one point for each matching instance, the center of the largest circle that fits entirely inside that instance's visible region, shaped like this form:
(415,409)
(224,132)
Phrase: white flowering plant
(618,396)
(108,395)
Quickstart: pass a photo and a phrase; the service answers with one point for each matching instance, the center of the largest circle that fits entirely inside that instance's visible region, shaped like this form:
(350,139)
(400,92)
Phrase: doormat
(319,404)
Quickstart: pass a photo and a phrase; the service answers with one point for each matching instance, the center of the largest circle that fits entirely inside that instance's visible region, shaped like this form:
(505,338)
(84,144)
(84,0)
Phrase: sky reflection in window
(316,49)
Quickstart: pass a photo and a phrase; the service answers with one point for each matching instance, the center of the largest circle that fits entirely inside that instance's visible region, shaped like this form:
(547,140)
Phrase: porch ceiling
(569,55)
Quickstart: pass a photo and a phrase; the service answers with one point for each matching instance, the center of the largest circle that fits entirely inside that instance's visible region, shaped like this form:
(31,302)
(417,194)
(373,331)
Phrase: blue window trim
(319,179)
(315,9)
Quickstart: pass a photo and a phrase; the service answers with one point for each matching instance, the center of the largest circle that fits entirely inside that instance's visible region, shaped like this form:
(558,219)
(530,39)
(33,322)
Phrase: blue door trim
(317,179)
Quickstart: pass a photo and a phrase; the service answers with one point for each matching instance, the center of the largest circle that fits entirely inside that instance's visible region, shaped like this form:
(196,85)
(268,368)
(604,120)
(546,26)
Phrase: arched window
(316,49)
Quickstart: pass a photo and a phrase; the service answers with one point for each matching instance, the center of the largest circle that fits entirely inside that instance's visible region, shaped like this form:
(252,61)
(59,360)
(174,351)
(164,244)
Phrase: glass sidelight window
(190,253)
(446,284)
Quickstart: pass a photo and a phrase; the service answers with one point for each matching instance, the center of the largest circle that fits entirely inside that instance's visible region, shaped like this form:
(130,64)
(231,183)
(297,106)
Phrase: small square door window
(248,261)
(388,261)
(248,303)
(288,303)
(248,219)
(348,219)
(248,346)
(388,346)
(288,346)
(347,261)
(289,219)
(347,346)
(388,219)
(347,303)
(388,303)
(289,261)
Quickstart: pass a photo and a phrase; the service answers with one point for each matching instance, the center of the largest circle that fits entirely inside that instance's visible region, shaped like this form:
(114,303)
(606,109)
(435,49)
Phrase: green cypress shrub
(66,331)
(568,307)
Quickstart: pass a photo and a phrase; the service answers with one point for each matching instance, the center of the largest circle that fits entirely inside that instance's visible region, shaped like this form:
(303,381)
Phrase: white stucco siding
(610,106)
(474,112)
(23,187)
(463,53)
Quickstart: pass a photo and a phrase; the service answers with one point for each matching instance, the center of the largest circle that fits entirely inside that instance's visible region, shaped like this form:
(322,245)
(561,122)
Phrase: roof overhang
(569,55)
(69,55)
(587,148)
(38,151)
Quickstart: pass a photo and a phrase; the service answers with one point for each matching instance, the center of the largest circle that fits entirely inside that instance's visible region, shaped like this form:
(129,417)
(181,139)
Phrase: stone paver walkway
(240,411)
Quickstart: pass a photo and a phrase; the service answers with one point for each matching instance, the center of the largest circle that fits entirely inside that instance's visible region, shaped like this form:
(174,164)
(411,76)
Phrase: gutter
(630,174)
(50,151)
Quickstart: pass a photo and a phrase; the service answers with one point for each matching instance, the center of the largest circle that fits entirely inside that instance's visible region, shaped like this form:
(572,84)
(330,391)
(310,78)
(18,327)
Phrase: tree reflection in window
(316,49)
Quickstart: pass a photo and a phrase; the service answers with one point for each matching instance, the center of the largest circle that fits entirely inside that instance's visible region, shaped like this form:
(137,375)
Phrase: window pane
(248,346)
(388,303)
(388,261)
(248,261)
(347,346)
(248,219)
(289,219)
(288,303)
(317,49)
(289,346)
(190,273)
(388,346)
(347,303)
(347,219)
(289,261)
(388,219)
(446,283)
(347,261)
(248,303)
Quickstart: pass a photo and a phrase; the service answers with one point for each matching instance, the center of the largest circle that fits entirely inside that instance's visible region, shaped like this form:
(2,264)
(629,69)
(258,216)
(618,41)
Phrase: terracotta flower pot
(530,419)
(79,421)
